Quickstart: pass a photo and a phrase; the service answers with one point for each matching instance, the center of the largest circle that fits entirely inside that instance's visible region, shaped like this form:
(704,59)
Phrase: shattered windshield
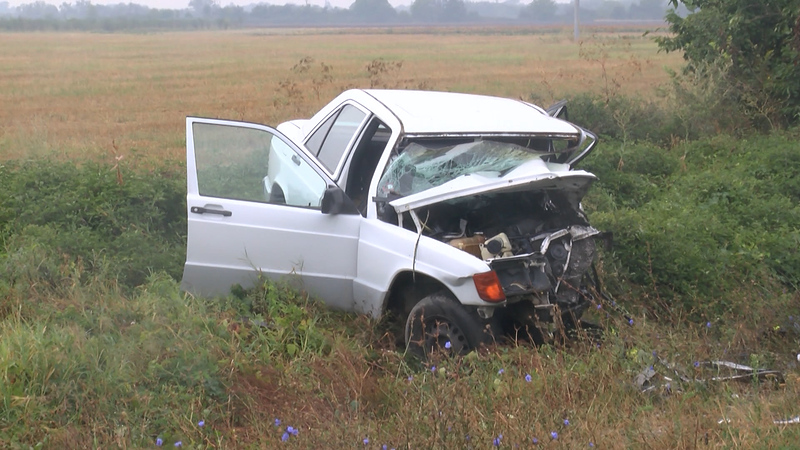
(420,167)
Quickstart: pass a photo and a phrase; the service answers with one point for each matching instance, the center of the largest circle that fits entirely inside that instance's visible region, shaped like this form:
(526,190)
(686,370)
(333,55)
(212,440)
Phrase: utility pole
(577,32)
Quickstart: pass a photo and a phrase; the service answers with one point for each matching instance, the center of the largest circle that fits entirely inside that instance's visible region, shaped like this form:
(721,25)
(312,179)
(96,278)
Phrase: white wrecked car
(458,213)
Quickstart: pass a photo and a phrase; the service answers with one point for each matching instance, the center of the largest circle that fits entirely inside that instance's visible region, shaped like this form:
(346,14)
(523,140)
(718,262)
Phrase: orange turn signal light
(488,286)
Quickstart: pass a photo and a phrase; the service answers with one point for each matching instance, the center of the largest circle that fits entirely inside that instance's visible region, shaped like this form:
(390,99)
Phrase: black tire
(276,196)
(438,319)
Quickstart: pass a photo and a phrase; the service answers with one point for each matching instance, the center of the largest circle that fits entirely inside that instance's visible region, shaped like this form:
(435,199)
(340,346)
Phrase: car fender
(385,251)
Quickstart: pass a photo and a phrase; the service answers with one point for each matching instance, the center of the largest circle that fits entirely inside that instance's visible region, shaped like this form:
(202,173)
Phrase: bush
(66,215)
(623,118)
(719,218)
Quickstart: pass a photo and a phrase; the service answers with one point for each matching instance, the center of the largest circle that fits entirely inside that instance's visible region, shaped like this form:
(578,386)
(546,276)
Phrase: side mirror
(558,110)
(335,201)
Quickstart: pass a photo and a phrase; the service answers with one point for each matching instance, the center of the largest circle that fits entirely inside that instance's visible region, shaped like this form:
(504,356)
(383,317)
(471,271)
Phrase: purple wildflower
(528,378)
(366,441)
(277,422)
(535,441)
(201,424)
(285,437)
(553,435)
(447,345)
(566,422)
(159,442)
(630,322)
(179,444)
(697,364)
(501,371)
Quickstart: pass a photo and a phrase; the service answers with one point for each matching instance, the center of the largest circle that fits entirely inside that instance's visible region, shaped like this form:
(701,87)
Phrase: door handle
(201,210)
(296,160)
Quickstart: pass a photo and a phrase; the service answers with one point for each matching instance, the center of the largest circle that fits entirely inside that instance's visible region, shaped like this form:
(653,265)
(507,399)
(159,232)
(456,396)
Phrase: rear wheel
(437,320)
(276,195)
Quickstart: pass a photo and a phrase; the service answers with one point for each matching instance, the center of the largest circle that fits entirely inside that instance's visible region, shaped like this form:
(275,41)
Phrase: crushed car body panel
(537,175)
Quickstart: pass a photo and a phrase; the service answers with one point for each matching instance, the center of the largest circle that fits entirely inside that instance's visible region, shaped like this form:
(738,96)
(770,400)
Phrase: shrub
(68,214)
(720,218)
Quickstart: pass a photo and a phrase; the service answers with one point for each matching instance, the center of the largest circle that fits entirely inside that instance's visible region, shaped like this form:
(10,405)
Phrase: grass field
(99,348)
(72,95)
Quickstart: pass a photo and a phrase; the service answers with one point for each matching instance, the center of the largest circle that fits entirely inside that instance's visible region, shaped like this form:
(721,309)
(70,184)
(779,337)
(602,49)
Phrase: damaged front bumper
(552,274)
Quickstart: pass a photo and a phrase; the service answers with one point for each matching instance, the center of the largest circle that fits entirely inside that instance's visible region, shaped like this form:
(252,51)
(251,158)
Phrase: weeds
(85,220)
(100,348)
(305,76)
(379,69)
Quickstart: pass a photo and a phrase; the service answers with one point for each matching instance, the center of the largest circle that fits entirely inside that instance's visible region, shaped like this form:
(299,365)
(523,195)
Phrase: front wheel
(438,320)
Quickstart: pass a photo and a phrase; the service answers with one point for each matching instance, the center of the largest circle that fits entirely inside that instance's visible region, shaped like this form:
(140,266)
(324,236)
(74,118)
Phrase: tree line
(84,15)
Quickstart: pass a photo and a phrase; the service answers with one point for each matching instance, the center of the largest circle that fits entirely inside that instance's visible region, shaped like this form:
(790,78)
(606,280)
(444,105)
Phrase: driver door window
(241,163)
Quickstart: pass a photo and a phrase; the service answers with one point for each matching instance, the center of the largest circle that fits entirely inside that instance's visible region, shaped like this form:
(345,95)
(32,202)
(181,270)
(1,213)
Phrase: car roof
(436,113)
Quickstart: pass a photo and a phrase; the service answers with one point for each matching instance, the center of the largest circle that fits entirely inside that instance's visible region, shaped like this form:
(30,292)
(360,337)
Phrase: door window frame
(353,139)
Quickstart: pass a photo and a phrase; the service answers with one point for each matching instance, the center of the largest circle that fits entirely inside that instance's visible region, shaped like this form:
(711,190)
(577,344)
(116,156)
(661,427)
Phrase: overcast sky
(181,4)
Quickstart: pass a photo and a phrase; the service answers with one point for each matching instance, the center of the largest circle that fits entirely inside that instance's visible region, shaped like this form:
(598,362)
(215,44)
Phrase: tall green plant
(755,43)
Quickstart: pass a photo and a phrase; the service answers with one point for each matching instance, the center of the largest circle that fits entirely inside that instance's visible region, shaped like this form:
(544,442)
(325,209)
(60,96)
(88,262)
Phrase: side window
(314,143)
(341,132)
(250,164)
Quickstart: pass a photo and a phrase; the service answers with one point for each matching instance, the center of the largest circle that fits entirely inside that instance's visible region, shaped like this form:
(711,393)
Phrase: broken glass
(420,167)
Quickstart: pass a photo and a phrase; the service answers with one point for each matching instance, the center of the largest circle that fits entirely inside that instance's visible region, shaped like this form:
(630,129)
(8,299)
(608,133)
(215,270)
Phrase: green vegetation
(747,52)
(703,219)
(100,348)
(57,219)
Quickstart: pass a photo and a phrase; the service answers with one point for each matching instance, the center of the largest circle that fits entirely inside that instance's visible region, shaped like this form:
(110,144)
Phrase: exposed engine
(539,243)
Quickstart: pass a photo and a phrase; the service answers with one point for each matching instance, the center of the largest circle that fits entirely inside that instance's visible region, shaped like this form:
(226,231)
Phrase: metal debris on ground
(793,420)
(646,379)
(739,372)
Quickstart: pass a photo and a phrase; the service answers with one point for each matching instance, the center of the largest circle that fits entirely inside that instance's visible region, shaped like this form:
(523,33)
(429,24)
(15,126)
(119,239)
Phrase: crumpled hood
(534,175)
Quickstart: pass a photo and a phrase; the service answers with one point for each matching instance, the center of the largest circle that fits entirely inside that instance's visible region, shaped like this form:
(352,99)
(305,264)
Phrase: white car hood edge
(528,177)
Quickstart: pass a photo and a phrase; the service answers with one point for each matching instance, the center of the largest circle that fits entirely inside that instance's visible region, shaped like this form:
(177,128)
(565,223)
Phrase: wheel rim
(438,332)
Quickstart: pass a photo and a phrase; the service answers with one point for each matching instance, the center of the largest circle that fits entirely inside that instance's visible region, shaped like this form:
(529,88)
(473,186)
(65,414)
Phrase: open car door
(254,205)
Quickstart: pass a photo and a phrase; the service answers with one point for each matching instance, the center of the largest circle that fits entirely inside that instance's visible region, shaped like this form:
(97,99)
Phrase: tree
(438,10)
(373,11)
(38,10)
(204,8)
(648,9)
(540,11)
(753,45)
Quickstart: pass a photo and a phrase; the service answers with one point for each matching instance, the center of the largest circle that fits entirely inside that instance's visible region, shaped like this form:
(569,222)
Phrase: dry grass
(72,95)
